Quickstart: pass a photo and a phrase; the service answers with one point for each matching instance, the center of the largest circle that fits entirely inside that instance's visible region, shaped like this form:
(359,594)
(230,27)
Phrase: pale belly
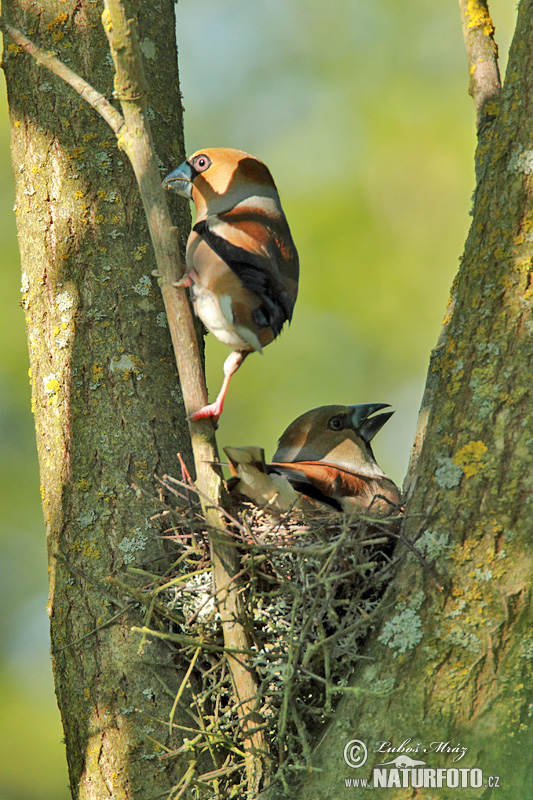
(207,307)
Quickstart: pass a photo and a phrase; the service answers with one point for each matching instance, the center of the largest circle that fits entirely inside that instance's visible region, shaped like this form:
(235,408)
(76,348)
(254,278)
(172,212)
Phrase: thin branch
(47,59)
(135,139)
(482,54)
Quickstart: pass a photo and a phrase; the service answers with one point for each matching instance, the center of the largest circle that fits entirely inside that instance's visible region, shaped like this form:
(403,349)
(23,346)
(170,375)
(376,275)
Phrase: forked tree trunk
(106,397)
(450,664)
(455,665)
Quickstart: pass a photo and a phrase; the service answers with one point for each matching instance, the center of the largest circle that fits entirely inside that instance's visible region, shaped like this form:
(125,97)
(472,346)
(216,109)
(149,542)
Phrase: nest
(312,588)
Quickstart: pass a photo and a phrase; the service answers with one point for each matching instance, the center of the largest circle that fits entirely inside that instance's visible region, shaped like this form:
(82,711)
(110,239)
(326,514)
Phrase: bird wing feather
(252,479)
(256,264)
(325,482)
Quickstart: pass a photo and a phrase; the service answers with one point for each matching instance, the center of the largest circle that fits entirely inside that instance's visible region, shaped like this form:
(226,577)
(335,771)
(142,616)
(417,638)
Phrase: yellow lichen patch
(470,458)
(14,49)
(59,20)
(462,553)
(89,551)
(52,386)
(140,251)
(83,485)
(106,21)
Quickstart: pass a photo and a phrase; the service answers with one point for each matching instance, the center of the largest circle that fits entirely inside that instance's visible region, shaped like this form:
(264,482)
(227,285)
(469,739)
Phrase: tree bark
(106,398)
(455,666)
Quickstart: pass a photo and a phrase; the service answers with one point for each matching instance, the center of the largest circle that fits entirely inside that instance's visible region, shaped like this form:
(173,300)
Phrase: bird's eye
(336,423)
(201,163)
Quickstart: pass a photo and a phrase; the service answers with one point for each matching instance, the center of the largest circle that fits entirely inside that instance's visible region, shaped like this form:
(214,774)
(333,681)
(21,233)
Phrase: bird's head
(219,178)
(339,435)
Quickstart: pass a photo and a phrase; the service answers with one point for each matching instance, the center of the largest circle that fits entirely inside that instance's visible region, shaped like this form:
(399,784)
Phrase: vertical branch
(137,143)
(135,138)
(482,54)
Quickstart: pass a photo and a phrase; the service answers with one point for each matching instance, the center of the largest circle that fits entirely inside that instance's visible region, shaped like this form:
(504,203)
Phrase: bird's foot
(184,282)
(213,411)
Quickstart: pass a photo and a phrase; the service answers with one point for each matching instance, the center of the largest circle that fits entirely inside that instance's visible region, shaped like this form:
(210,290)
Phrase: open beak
(366,425)
(180,180)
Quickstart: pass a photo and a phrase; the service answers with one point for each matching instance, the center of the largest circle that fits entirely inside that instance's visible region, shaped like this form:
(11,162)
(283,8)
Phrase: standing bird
(241,260)
(324,455)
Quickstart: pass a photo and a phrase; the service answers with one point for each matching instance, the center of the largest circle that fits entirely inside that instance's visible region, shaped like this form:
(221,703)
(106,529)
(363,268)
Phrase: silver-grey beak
(180,180)
(366,425)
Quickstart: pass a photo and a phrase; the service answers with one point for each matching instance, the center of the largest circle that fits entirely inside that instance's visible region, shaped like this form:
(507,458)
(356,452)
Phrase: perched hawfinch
(241,261)
(325,455)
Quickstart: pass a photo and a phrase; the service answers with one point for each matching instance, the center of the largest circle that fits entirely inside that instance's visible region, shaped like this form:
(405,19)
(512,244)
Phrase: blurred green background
(361,111)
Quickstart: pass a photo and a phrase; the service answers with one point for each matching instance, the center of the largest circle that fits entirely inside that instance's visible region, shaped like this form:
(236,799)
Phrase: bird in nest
(241,262)
(324,459)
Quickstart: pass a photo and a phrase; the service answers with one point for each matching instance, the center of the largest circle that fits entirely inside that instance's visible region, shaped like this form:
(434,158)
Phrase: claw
(213,411)
(184,282)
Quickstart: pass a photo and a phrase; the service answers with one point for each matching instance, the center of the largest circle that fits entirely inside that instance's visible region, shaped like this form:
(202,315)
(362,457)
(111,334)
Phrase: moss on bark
(106,396)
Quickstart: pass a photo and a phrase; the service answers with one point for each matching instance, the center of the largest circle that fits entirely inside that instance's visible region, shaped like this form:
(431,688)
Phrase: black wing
(255,273)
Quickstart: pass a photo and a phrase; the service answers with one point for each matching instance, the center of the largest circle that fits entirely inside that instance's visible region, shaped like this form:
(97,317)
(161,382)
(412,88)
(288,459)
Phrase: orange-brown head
(219,178)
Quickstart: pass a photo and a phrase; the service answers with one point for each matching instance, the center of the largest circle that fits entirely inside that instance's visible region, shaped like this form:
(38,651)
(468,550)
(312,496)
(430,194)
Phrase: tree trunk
(106,397)
(452,661)
(455,665)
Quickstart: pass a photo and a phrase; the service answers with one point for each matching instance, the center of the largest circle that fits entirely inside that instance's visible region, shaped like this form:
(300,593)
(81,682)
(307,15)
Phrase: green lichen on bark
(106,396)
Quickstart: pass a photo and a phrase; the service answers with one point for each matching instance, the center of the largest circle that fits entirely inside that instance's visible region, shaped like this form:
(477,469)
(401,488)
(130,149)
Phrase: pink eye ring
(201,163)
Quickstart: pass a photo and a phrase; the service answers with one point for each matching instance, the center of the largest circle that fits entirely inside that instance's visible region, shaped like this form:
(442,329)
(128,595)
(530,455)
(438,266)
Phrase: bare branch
(137,143)
(135,139)
(47,59)
(482,54)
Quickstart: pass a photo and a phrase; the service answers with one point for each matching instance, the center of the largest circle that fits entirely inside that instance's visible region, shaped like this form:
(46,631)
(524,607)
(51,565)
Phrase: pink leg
(231,365)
